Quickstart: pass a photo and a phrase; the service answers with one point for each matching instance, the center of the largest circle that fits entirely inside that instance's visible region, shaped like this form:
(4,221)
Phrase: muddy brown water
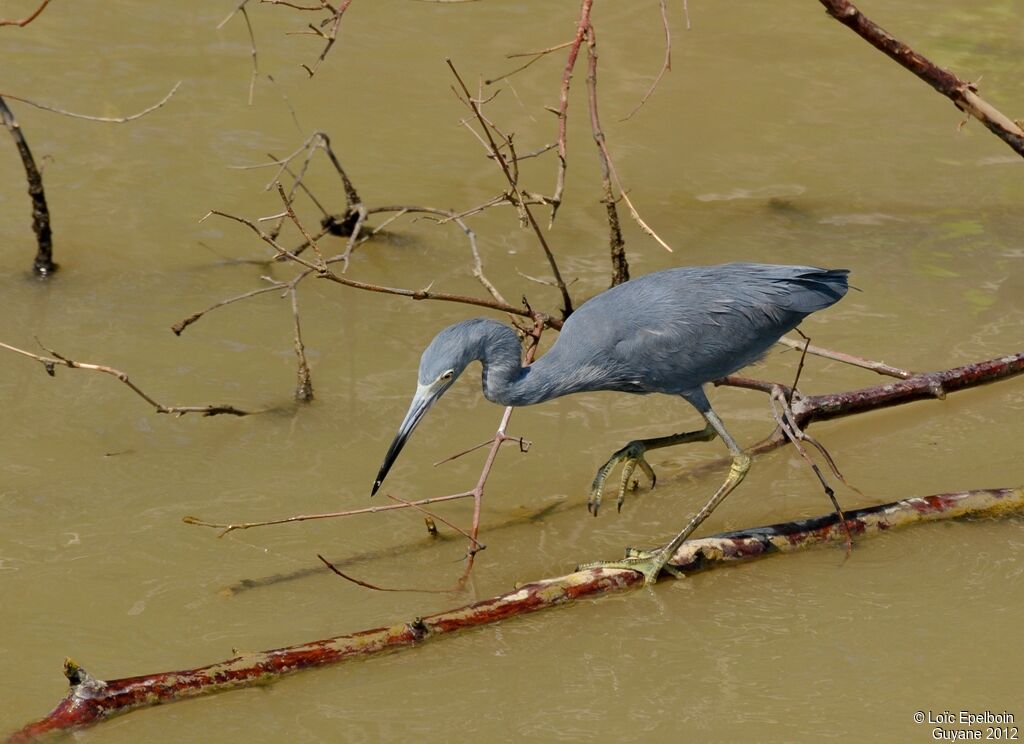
(778,136)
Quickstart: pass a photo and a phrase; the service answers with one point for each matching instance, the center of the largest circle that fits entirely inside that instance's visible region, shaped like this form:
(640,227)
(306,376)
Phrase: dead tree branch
(91,700)
(922,385)
(27,19)
(414,294)
(506,168)
(103,119)
(50,364)
(879,367)
(332,22)
(228,527)
(43,265)
(962,93)
(563,103)
(304,386)
(616,245)
(666,65)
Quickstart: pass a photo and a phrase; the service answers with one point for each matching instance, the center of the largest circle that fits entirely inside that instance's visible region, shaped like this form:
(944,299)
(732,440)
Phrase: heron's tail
(812,289)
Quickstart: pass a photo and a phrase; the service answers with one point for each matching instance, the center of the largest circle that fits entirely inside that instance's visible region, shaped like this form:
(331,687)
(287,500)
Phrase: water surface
(778,136)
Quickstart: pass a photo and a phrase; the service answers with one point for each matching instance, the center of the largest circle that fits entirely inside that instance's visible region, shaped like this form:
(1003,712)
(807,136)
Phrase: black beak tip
(373,491)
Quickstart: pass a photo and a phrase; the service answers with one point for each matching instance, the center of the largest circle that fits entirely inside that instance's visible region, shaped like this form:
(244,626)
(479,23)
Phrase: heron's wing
(682,328)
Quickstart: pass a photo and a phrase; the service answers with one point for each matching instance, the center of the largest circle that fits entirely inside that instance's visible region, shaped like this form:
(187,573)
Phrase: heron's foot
(648,562)
(631,456)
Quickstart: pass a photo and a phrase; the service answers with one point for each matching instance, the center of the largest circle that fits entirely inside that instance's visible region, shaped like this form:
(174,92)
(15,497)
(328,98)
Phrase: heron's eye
(448,375)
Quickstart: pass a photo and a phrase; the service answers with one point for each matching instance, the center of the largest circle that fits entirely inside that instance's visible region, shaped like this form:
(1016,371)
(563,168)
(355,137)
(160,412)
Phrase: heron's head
(441,364)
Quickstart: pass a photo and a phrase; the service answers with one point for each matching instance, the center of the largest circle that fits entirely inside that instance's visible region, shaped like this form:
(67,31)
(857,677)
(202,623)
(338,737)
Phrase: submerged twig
(104,119)
(43,265)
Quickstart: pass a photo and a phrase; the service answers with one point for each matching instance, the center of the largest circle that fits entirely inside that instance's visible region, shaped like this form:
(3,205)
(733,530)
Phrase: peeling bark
(91,700)
(917,387)
(963,93)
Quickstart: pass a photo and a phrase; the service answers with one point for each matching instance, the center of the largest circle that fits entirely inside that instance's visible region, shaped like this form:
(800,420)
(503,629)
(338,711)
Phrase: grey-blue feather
(667,332)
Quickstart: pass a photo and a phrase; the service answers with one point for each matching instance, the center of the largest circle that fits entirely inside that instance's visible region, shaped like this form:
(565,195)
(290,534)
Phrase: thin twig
(616,245)
(105,119)
(414,294)
(535,56)
(333,22)
(880,367)
(50,364)
(27,19)
(477,545)
(563,104)
(181,325)
(252,51)
(666,65)
(225,528)
(374,587)
(499,439)
(475,107)
(783,414)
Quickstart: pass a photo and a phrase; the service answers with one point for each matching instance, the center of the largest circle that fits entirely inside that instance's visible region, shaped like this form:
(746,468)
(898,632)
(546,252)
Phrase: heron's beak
(424,398)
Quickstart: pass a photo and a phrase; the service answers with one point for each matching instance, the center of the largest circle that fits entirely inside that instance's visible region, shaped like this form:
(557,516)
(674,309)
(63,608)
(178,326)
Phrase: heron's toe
(631,456)
(627,473)
(650,563)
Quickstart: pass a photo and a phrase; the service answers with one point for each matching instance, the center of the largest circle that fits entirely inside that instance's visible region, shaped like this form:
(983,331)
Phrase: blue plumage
(668,332)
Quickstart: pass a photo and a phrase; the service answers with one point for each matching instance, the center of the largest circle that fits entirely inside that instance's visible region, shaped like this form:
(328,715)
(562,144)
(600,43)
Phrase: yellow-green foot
(631,456)
(650,563)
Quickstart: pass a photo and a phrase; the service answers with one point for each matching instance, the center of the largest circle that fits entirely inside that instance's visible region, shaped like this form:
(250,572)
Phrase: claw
(631,456)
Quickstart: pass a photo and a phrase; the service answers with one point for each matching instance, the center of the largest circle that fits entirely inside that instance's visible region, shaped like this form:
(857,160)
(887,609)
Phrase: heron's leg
(651,563)
(632,455)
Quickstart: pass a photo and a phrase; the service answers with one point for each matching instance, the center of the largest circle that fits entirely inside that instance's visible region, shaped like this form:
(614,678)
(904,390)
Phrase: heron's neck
(505,380)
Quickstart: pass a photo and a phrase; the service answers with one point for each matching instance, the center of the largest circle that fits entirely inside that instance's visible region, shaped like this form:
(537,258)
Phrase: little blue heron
(668,332)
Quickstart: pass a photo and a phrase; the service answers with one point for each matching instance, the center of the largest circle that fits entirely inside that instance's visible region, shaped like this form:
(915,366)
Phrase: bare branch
(105,119)
(503,164)
(666,66)
(880,367)
(43,266)
(91,700)
(181,325)
(962,93)
(27,19)
(616,245)
(374,587)
(535,56)
(50,364)
(563,104)
(231,527)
